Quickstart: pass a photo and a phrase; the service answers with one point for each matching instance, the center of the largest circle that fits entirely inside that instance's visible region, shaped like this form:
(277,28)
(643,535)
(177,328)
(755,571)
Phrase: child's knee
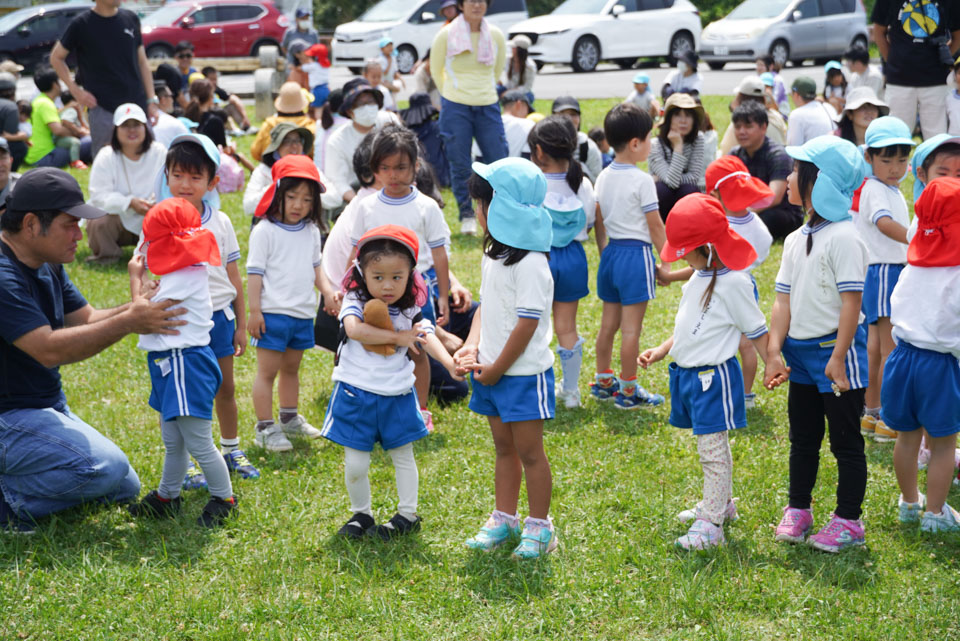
(227,391)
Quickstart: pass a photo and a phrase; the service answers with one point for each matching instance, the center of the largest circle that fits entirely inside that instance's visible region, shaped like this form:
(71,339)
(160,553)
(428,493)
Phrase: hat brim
(267,199)
(890,142)
(733,250)
(83,210)
(366,239)
(305,133)
(351,98)
(749,193)
(171,253)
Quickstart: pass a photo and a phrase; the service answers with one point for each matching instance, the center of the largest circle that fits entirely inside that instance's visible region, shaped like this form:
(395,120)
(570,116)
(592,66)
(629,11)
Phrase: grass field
(279,572)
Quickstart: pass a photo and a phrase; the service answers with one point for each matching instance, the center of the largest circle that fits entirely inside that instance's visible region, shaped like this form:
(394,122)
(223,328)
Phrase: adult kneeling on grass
(52,459)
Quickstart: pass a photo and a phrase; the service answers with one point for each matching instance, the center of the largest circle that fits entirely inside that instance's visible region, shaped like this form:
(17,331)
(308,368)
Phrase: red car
(215,28)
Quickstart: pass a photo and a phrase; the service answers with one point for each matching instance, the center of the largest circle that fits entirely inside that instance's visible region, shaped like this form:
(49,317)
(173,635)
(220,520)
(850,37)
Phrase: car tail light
(283,21)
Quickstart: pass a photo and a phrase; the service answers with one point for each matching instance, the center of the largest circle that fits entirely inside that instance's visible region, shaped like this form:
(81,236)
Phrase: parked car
(28,35)
(216,28)
(581,33)
(789,30)
(412,27)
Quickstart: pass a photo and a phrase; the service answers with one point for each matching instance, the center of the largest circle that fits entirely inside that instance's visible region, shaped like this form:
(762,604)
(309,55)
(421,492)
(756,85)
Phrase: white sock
(570,361)
(408,480)
(356,464)
(228,445)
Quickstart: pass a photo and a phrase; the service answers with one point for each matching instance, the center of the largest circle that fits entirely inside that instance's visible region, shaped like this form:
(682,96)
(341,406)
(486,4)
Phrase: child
(642,97)
(729,181)
(393,162)
(816,320)
(882,224)
(71,117)
(572,207)
(388,63)
(835,85)
(596,135)
(628,214)
(183,369)
(25,109)
(315,62)
(508,349)
(766,64)
(935,157)
(283,268)
(718,307)
(860,72)
(365,409)
(373,73)
(921,383)
(953,103)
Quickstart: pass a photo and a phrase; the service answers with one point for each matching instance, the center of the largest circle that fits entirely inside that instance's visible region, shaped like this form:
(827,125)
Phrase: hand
(135,267)
(256,326)
(663,275)
(775,373)
(455,373)
(462,298)
(153,113)
(649,357)
(487,374)
(412,339)
(332,305)
(836,371)
(155,318)
(450,342)
(675,138)
(465,358)
(85,98)
(239,340)
(140,205)
(443,316)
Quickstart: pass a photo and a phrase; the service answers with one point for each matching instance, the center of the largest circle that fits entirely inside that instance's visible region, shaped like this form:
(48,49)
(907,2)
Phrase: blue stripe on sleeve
(650,207)
(881,214)
(256,271)
(782,288)
(233,257)
(757,333)
(850,286)
(438,243)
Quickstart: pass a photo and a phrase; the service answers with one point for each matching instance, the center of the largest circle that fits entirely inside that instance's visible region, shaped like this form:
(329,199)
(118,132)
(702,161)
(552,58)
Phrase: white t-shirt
(168,128)
(809,121)
(953,113)
(190,286)
(643,100)
(222,291)
(925,308)
(593,164)
(872,78)
(115,180)
(517,130)
(415,211)
(685,84)
(317,74)
(522,290)
(755,232)
(336,251)
(626,195)
(712,336)
(389,103)
(836,263)
(389,66)
(878,200)
(385,375)
(561,198)
(285,256)
(340,147)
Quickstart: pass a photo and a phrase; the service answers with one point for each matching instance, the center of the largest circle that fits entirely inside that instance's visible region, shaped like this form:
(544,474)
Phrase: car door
(205,32)
(617,29)
(38,35)
(837,14)
(241,27)
(808,35)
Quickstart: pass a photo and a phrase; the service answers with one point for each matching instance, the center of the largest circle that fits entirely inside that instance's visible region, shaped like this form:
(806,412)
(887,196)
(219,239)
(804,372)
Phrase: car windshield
(387,11)
(579,6)
(752,9)
(164,16)
(12,20)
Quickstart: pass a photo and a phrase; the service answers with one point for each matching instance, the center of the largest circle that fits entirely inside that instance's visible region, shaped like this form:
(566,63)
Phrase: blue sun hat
(887,131)
(831,66)
(767,79)
(924,149)
(162,189)
(641,77)
(516,216)
(842,170)
(384,41)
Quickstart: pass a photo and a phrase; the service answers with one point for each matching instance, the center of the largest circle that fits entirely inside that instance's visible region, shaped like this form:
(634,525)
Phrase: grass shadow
(852,570)
(496,576)
(371,557)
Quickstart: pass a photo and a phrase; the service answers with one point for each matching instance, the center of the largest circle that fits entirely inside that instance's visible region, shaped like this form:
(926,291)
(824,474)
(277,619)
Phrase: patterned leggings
(717,463)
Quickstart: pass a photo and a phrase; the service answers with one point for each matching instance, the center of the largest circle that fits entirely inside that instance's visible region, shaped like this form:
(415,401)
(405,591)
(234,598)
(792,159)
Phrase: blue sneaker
(494,532)
(911,512)
(238,462)
(605,392)
(194,478)
(640,398)
(947,521)
(537,540)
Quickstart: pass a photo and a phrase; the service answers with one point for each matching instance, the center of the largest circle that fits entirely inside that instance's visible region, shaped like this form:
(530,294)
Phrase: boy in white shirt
(860,72)
(516,107)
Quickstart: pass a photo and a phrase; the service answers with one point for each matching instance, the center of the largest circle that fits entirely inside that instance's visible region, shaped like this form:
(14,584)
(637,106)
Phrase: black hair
(206,71)
(857,54)
(750,112)
(830,74)
(946,149)
(201,92)
(45,77)
(330,108)
(183,45)
(519,57)
(482,191)
(807,174)
(893,151)
(274,212)
(190,156)
(25,108)
(691,136)
(66,97)
(170,76)
(390,140)
(625,122)
(556,137)
(426,180)
(596,135)
(374,251)
(147,140)
(767,60)
(708,292)
(12,219)
(160,86)
(361,161)
(10,93)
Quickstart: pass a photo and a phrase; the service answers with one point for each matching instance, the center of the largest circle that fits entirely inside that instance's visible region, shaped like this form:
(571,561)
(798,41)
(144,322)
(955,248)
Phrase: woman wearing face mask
(685,78)
(301,29)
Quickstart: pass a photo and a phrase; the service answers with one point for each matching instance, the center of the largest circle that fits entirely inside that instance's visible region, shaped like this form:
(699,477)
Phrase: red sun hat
(738,189)
(175,238)
(699,219)
(321,53)
(937,241)
(406,237)
(292,166)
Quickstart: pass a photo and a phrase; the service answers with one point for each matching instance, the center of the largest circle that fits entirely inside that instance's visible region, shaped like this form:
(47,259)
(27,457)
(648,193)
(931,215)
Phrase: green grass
(279,572)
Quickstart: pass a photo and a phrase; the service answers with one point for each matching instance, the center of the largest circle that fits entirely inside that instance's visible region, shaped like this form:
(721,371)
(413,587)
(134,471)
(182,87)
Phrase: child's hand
(239,340)
(256,326)
(486,374)
(649,357)
(412,339)
(443,316)
(332,305)
(775,373)
(836,371)
(455,373)
(663,275)
(465,359)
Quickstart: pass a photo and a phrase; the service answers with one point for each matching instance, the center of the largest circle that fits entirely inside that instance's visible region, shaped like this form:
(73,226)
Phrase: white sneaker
(911,512)
(730,514)
(468,226)
(272,439)
(749,401)
(702,535)
(947,521)
(571,398)
(299,427)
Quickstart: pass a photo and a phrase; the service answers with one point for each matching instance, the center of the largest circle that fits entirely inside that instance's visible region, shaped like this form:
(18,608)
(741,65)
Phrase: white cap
(128,111)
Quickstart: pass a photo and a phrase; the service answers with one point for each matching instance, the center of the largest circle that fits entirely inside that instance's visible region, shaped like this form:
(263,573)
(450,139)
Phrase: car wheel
(626,63)
(780,51)
(716,66)
(406,58)
(681,43)
(586,54)
(860,41)
(160,51)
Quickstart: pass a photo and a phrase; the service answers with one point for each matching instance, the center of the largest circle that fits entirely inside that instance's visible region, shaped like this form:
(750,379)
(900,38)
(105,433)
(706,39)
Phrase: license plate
(721,51)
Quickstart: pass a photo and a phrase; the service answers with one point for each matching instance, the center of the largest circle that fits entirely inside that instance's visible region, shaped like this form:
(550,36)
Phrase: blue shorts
(627,273)
(921,388)
(877,288)
(433,292)
(221,335)
(568,266)
(516,398)
(808,358)
(184,382)
(320,94)
(707,399)
(357,418)
(285,332)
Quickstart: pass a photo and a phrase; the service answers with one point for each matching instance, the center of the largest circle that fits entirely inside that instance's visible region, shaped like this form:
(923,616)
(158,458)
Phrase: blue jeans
(50,460)
(459,125)
(59,157)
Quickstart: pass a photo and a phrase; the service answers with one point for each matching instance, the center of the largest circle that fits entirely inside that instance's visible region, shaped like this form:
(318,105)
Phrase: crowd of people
(866,304)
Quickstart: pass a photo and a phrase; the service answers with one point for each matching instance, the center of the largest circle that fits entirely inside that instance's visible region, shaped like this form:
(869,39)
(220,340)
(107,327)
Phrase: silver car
(788,30)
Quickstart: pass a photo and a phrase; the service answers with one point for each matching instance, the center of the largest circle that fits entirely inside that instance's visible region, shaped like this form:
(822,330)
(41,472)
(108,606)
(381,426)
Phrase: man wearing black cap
(515,106)
(52,459)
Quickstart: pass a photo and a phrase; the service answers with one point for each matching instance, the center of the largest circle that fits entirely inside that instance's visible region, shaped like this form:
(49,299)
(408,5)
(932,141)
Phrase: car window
(46,24)
(831,7)
(428,7)
(206,16)
(237,12)
(504,6)
(629,5)
(648,5)
(808,9)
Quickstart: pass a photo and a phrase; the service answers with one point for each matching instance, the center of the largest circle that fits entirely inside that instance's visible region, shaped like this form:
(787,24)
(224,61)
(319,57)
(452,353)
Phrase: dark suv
(28,35)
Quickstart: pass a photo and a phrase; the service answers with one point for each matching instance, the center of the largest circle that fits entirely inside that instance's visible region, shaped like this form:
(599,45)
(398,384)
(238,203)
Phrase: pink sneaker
(794,525)
(427,419)
(838,534)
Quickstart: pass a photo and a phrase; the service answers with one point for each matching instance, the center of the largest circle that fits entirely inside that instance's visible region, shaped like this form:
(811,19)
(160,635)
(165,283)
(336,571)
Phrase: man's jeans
(51,460)
(459,125)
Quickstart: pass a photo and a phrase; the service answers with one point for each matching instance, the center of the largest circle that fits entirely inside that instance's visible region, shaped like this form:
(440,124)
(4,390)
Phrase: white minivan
(411,25)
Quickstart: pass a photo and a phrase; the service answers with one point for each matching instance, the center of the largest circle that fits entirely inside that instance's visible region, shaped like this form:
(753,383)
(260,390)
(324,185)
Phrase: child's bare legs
(939,470)
(226,400)
(748,363)
(565,323)
(519,448)
(508,471)
(288,385)
(609,324)
(905,464)
(885,330)
(268,365)
(421,373)
(874,368)
(631,324)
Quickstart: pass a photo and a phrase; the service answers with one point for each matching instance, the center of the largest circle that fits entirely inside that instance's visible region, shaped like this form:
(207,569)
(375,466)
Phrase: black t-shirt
(913,59)
(221,94)
(30,298)
(770,162)
(106,50)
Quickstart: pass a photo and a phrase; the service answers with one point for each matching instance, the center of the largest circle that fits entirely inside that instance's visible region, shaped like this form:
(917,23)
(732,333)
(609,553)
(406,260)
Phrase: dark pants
(443,386)
(18,151)
(59,157)
(807,408)
(668,197)
(782,219)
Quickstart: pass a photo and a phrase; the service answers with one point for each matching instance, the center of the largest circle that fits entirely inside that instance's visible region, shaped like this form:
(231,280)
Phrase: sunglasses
(184,55)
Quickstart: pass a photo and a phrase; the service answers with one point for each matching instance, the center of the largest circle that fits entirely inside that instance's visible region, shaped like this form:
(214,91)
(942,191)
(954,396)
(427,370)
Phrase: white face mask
(365,116)
(304,24)
(682,67)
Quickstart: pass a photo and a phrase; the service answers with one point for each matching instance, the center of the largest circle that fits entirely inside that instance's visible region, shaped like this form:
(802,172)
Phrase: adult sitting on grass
(51,144)
(53,460)
(676,155)
(290,105)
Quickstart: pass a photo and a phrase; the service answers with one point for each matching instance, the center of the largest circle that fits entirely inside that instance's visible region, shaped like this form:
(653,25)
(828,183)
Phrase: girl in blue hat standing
(508,349)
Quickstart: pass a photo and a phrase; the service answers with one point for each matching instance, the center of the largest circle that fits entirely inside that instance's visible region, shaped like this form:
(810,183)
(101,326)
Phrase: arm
(779,324)
(490,374)
(880,37)
(256,187)
(696,167)
(658,235)
(438,58)
(892,229)
(103,192)
(779,189)
(462,298)
(255,323)
(657,161)
(239,309)
(655,354)
(436,349)
(600,231)
(331,295)
(442,266)
(954,42)
(72,129)
(836,369)
(369,335)
(20,136)
(777,372)
(58,60)
(137,272)
(57,128)
(146,76)
(466,357)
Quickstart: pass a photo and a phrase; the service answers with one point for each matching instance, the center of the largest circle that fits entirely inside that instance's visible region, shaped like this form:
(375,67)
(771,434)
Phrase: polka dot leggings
(717,463)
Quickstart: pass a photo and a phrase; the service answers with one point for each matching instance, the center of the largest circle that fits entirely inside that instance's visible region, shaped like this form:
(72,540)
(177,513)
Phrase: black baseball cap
(565,102)
(48,188)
